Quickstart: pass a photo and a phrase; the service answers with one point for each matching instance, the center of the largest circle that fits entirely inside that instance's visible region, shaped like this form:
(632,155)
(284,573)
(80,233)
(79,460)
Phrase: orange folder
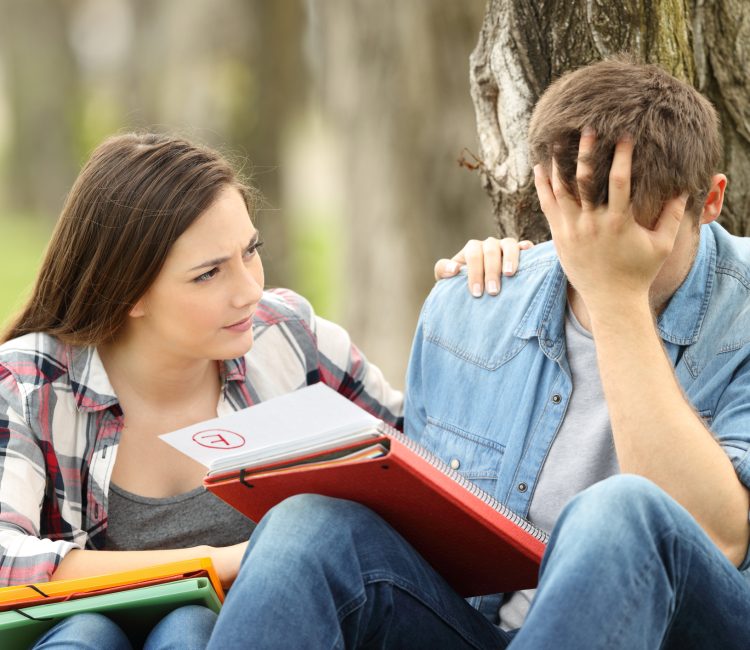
(477,544)
(61,590)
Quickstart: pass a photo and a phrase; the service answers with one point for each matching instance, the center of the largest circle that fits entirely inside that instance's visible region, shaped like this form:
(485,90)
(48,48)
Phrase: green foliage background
(24,239)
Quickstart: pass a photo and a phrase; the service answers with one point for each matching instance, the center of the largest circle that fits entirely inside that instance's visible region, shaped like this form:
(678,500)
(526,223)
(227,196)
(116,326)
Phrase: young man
(605,395)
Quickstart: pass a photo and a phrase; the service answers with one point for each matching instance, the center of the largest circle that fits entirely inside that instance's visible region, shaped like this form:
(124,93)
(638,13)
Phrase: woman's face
(202,302)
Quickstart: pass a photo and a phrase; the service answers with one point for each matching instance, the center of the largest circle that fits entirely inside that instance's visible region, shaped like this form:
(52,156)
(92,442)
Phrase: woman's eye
(207,275)
(252,249)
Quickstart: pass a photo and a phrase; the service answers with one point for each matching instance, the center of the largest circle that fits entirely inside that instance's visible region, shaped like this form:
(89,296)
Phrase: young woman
(142,320)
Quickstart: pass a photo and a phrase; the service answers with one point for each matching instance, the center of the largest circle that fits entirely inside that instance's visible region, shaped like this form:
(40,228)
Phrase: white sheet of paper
(312,414)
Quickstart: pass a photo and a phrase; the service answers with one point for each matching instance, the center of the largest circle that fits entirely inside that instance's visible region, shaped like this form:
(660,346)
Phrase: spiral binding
(465,483)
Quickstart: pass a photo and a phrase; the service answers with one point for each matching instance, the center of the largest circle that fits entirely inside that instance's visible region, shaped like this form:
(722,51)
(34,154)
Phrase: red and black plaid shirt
(60,423)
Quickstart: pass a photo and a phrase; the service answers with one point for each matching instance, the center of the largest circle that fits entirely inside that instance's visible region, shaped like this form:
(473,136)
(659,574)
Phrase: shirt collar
(89,380)
(679,323)
(92,389)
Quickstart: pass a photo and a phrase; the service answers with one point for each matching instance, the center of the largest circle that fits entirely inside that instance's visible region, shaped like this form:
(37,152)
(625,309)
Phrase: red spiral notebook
(477,544)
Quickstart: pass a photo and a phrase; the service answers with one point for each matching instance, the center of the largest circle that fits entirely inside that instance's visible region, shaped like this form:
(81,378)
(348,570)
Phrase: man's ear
(715,199)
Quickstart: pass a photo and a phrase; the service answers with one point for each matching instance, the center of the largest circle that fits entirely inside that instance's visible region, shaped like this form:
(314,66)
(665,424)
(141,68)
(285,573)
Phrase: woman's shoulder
(282,305)
(33,358)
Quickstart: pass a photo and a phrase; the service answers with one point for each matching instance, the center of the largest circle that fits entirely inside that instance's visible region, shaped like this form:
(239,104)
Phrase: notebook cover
(475,548)
(57,590)
(135,610)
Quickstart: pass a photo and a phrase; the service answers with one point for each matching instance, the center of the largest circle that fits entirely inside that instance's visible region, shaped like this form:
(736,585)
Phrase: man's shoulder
(732,255)
(726,326)
(484,330)
(520,289)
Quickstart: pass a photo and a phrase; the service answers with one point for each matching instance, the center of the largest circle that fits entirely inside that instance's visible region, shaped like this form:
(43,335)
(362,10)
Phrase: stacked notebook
(316,441)
(136,600)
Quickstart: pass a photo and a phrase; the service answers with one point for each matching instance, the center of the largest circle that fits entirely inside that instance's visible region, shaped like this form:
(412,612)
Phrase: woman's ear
(138,310)
(715,199)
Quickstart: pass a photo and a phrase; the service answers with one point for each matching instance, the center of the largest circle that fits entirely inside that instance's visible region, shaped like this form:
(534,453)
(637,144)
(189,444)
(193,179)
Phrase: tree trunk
(523,46)
(392,81)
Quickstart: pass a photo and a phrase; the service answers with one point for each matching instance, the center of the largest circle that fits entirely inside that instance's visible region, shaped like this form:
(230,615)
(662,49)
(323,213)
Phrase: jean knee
(620,508)
(186,627)
(316,516)
(84,631)
(308,527)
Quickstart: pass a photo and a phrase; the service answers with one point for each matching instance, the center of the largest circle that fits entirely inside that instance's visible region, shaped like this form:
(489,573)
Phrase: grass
(23,240)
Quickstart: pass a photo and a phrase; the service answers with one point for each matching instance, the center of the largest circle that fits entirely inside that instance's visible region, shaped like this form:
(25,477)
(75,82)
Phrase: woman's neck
(149,372)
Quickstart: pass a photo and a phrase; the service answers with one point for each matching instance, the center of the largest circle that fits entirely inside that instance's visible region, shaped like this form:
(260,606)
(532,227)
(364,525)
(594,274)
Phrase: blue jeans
(627,567)
(185,628)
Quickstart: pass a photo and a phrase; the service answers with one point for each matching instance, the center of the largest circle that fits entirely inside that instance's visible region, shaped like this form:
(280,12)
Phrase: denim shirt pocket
(474,457)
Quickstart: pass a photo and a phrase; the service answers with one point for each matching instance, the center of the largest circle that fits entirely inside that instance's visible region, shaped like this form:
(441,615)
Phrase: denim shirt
(489,383)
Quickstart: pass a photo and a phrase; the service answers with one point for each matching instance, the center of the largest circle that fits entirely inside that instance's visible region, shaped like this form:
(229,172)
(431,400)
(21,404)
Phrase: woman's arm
(82,564)
(26,556)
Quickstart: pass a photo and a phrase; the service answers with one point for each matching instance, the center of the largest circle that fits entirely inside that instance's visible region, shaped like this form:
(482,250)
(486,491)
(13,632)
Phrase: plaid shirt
(60,423)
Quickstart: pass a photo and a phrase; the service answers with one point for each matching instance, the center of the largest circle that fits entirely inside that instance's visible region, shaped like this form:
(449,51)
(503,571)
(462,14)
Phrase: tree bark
(523,46)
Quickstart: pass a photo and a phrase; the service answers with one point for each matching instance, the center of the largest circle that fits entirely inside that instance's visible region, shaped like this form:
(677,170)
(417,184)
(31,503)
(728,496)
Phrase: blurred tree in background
(349,115)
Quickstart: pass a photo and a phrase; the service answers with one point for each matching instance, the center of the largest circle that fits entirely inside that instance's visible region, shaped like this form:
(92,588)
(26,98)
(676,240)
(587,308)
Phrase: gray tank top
(137,523)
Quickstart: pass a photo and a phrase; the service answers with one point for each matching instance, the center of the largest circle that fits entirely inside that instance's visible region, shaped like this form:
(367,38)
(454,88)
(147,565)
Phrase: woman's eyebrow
(220,260)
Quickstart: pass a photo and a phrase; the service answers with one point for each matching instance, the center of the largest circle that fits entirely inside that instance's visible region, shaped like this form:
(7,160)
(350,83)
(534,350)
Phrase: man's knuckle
(619,180)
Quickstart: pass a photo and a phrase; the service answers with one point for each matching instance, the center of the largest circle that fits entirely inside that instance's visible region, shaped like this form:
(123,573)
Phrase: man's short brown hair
(675,131)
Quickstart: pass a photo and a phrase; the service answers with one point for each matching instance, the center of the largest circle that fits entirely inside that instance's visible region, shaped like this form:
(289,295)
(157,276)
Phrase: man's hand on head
(606,254)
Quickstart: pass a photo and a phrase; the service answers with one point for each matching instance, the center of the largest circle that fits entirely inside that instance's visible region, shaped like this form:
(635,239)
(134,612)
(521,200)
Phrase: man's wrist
(620,314)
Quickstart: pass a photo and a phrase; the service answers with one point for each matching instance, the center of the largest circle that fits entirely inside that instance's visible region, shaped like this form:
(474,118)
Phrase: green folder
(136,611)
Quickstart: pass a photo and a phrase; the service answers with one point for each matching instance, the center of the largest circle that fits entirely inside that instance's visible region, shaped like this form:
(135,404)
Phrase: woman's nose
(248,287)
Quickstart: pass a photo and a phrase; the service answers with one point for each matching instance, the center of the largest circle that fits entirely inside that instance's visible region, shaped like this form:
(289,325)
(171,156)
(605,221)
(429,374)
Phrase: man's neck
(577,306)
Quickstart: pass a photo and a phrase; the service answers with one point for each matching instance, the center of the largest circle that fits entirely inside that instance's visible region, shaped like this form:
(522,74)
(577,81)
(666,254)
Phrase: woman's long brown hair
(133,198)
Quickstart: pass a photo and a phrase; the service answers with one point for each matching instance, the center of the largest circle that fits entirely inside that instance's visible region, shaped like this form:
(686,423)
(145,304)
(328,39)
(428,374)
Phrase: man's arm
(612,262)
(657,433)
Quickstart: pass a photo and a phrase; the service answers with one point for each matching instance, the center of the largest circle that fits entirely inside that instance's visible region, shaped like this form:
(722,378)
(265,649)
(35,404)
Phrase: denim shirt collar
(679,323)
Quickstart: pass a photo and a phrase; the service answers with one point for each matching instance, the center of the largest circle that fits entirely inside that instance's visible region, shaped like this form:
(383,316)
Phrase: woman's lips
(241,326)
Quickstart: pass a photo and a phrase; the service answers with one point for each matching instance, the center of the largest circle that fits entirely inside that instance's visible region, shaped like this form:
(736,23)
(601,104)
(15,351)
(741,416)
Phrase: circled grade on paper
(219,439)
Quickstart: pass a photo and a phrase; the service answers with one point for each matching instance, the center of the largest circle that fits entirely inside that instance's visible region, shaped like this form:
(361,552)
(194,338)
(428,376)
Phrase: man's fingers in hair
(547,199)
(668,224)
(474,267)
(568,205)
(583,166)
(619,178)
(494,256)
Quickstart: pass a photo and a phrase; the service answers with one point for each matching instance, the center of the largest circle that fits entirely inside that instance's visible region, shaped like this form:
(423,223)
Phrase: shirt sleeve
(731,422)
(415,416)
(730,425)
(25,557)
(342,366)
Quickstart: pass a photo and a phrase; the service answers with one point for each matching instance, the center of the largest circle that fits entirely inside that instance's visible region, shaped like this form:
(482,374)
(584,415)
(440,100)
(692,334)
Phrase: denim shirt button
(556,399)
(522,487)
(455,463)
